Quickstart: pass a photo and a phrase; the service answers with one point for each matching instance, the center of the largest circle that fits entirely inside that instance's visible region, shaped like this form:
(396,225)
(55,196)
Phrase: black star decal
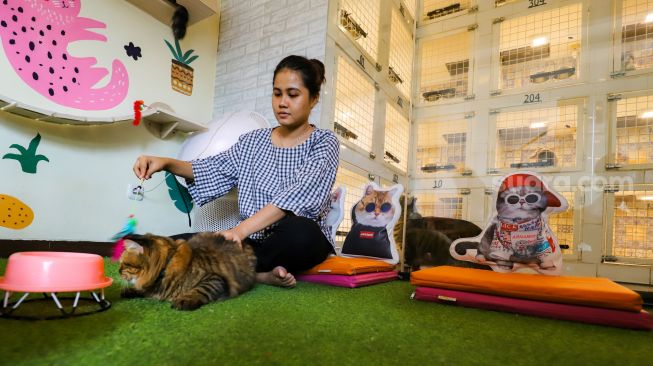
(133,51)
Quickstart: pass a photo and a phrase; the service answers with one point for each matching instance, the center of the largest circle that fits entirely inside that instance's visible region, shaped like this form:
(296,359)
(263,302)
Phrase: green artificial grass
(314,325)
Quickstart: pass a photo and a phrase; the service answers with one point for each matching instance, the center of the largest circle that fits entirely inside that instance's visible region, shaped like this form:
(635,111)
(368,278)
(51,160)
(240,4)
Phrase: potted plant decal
(180,73)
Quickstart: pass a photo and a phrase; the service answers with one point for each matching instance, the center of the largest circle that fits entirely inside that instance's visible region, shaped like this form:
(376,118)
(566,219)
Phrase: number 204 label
(532,98)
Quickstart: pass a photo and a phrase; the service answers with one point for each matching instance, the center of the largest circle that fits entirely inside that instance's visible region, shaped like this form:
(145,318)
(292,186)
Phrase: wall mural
(180,73)
(27,157)
(14,214)
(35,37)
(133,51)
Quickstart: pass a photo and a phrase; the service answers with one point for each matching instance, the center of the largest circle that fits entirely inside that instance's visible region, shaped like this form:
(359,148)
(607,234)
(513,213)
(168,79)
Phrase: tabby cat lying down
(190,273)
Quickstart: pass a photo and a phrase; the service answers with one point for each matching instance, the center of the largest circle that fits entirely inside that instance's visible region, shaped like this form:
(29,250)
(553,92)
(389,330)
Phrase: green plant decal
(179,194)
(27,157)
(184,58)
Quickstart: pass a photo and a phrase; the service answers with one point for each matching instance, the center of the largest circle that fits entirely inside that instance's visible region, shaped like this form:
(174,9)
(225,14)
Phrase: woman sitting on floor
(284,177)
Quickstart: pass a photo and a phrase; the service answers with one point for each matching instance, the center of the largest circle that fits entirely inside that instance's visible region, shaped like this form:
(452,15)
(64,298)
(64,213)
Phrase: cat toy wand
(130,225)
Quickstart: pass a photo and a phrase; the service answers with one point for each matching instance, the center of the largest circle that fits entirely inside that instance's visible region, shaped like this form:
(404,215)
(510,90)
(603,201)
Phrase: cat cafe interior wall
(591,91)
(80,194)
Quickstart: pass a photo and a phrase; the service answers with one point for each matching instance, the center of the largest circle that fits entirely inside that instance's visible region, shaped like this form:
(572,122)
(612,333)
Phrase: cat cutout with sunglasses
(373,217)
(518,235)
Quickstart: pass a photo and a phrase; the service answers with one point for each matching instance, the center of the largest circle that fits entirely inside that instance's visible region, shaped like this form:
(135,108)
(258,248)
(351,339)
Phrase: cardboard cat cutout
(336,210)
(373,221)
(518,235)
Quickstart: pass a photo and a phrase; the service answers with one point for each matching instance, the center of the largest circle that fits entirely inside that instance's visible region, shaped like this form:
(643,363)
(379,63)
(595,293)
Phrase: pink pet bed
(577,313)
(350,281)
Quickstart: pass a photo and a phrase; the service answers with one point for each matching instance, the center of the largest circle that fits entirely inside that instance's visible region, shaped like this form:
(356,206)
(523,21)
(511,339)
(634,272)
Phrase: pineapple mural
(181,74)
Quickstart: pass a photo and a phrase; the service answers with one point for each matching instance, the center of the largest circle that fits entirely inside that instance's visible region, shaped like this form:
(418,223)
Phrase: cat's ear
(396,190)
(369,189)
(336,194)
(133,246)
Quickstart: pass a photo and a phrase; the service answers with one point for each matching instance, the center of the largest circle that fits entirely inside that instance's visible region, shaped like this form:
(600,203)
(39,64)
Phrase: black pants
(296,243)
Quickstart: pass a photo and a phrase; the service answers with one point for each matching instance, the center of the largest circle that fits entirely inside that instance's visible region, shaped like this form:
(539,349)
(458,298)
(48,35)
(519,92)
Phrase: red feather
(118,248)
(138,106)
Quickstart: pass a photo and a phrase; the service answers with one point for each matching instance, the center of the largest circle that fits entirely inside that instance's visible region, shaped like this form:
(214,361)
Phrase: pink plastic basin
(54,272)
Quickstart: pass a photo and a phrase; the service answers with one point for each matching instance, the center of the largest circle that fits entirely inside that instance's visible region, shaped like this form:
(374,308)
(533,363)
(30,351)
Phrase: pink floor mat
(350,281)
(577,313)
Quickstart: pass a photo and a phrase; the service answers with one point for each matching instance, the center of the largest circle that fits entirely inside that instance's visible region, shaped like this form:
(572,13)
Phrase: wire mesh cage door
(360,20)
(539,49)
(629,225)
(435,10)
(441,145)
(353,179)
(542,138)
(445,65)
(402,46)
(441,203)
(354,105)
(397,131)
(633,36)
(563,224)
(631,131)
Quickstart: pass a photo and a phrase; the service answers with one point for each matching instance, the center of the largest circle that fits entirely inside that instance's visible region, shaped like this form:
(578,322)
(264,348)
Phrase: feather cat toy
(137,194)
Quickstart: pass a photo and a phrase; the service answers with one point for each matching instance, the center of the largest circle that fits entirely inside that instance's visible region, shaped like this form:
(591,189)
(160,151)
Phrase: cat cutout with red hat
(518,235)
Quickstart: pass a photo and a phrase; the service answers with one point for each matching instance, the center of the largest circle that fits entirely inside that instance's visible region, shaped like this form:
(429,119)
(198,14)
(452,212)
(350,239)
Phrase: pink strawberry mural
(35,36)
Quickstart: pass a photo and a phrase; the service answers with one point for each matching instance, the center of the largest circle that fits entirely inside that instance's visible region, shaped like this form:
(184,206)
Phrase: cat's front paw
(130,293)
(186,303)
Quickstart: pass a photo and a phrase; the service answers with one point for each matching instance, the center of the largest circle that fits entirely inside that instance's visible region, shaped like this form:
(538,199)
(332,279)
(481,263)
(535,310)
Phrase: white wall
(81,193)
(254,36)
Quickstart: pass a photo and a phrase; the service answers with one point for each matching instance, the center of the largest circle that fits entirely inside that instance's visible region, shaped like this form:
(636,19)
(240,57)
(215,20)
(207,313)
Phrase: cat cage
(402,45)
(631,130)
(441,203)
(542,138)
(354,180)
(540,49)
(629,224)
(434,10)
(354,105)
(397,131)
(445,66)
(360,20)
(563,223)
(633,36)
(441,144)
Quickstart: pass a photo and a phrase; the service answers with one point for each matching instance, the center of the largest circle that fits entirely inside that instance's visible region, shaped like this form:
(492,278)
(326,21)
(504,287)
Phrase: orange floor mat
(350,266)
(589,291)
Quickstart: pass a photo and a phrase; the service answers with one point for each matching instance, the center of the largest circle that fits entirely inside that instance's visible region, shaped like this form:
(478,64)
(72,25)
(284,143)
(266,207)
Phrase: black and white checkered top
(296,179)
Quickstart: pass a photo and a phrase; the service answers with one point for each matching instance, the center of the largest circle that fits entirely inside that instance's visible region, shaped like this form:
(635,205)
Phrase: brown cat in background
(428,238)
(189,273)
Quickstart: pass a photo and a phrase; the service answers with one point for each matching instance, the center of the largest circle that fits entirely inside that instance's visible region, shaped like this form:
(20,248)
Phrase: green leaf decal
(27,158)
(179,194)
(183,57)
(172,50)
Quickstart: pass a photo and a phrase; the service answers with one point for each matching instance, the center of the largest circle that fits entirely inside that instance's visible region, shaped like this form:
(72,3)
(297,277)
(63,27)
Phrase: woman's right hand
(146,165)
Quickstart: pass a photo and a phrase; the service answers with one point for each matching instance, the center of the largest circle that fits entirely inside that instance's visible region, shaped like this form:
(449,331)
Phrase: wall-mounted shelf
(158,122)
(162,10)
